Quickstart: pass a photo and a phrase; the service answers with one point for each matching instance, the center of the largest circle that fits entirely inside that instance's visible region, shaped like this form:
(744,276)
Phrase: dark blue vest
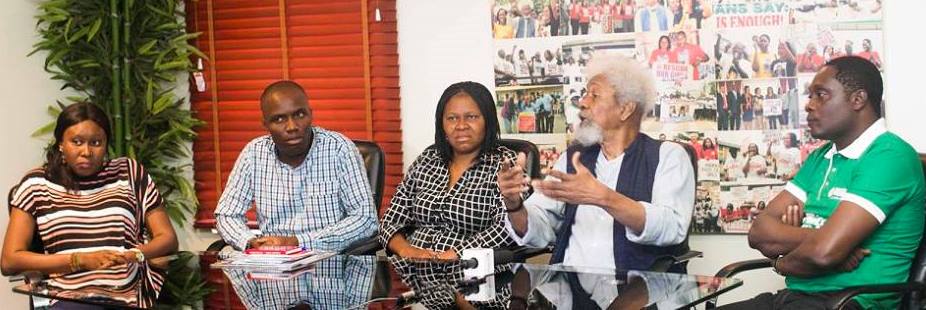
(635,180)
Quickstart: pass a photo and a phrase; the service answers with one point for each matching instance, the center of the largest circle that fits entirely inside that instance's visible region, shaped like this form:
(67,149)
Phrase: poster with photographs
(731,79)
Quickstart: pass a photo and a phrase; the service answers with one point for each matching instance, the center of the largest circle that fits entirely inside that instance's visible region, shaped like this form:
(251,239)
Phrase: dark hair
(794,142)
(282,85)
(704,143)
(857,73)
(668,41)
(483,99)
(55,168)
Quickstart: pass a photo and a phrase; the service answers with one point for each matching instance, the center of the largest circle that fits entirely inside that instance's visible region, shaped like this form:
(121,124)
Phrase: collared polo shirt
(882,174)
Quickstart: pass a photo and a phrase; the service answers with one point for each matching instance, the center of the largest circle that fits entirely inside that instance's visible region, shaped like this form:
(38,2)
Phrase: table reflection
(361,282)
(339,282)
(440,285)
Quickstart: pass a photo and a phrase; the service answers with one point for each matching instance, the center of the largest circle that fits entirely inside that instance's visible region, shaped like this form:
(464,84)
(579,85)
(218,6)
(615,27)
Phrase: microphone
(472,262)
(499,257)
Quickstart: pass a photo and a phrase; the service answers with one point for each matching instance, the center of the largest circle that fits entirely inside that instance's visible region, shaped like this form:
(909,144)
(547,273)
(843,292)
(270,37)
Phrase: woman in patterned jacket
(449,200)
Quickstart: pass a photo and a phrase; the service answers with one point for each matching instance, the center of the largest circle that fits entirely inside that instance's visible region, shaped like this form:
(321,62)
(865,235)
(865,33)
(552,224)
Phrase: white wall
(442,42)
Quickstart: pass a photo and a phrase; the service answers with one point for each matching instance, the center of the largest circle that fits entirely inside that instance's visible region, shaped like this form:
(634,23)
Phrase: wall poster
(731,79)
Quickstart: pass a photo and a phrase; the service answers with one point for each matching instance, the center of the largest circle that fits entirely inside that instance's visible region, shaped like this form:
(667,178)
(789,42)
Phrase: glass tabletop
(361,282)
(96,296)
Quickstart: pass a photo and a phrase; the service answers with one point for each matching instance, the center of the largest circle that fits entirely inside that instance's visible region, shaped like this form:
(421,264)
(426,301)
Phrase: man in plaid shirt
(307,184)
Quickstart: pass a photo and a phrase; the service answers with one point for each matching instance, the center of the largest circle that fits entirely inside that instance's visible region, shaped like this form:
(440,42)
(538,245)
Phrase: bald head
(282,90)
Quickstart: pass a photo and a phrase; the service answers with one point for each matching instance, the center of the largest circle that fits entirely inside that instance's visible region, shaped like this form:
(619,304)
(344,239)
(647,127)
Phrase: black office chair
(532,155)
(912,291)
(374,160)
(663,264)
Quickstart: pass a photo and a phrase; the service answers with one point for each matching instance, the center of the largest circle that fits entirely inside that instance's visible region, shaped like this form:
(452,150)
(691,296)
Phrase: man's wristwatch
(139,255)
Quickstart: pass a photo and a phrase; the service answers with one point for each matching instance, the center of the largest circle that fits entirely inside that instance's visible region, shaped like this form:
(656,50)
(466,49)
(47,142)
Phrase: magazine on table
(276,258)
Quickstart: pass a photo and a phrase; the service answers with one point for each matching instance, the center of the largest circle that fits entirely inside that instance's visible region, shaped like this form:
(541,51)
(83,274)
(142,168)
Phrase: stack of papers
(277,259)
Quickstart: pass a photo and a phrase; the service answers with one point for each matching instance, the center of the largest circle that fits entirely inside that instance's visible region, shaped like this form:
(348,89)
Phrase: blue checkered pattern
(339,282)
(325,202)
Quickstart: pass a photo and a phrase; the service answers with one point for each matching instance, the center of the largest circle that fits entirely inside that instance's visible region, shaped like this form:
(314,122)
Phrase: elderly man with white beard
(618,199)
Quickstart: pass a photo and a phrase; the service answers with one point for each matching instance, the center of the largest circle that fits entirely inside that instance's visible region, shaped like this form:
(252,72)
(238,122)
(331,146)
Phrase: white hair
(631,80)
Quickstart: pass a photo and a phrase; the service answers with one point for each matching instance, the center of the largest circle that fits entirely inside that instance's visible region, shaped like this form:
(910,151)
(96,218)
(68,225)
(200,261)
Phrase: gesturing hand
(579,188)
(512,182)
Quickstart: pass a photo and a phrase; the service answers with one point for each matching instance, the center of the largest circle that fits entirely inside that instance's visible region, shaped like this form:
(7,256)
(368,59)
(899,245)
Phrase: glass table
(363,282)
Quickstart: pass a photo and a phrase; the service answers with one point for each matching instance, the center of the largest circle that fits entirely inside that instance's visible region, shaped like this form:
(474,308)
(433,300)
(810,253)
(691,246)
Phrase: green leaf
(196,51)
(67,28)
(173,65)
(82,32)
(162,103)
(184,38)
(143,50)
(149,95)
(44,130)
(94,28)
(54,58)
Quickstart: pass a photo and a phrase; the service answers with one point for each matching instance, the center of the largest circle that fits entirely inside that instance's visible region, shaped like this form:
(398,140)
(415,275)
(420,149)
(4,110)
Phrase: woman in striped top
(97,219)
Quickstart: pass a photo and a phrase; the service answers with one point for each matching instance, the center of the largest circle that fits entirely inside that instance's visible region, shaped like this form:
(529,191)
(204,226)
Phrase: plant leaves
(94,28)
(44,130)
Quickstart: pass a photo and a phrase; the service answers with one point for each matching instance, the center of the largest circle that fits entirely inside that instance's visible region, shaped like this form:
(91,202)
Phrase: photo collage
(731,77)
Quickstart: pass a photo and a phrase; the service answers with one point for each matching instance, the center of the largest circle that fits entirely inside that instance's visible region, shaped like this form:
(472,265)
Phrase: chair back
(915,299)
(531,152)
(374,160)
(680,262)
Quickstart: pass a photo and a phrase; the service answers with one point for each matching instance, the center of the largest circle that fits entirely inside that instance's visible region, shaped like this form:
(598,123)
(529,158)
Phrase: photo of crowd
(706,214)
(536,62)
(531,109)
(682,105)
(515,19)
(549,154)
(762,104)
(817,44)
(731,81)
(810,11)
(676,56)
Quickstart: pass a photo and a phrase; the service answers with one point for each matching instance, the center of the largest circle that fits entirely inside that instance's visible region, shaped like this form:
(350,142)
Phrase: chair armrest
(217,246)
(522,253)
(842,297)
(663,264)
(737,267)
(27,277)
(746,265)
(687,256)
(367,246)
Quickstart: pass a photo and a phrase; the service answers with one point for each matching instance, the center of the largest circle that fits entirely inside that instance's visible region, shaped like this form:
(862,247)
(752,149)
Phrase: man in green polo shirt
(854,213)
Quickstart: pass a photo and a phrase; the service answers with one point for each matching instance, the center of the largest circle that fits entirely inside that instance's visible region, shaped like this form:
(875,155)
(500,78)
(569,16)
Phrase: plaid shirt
(339,282)
(325,202)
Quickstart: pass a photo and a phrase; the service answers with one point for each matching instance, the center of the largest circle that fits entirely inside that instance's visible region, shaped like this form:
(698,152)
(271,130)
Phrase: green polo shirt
(882,174)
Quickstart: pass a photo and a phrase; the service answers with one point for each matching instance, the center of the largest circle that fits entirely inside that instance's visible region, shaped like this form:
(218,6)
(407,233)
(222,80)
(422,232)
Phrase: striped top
(107,212)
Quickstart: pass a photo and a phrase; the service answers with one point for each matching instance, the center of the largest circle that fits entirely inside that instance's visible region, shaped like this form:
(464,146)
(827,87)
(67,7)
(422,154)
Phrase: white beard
(588,133)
